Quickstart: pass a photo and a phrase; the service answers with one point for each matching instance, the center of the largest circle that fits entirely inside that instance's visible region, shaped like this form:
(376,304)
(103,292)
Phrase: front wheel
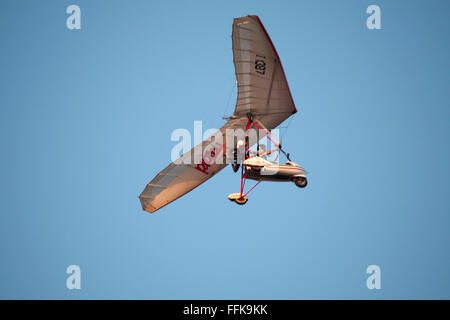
(300,182)
(242,200)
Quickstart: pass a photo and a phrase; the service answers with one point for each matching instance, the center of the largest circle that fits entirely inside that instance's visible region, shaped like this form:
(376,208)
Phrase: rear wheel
(300,182)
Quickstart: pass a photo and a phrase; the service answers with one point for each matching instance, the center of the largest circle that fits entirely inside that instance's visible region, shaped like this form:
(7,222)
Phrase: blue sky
(86,120)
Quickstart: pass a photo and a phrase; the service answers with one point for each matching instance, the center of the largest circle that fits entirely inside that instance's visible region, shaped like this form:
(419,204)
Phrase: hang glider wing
(262,91)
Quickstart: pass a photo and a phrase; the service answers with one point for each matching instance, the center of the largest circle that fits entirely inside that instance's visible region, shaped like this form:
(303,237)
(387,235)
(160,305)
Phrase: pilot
(261,152)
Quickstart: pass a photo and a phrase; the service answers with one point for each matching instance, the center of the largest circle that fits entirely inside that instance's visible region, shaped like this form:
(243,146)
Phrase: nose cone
(293,164)
(290,163)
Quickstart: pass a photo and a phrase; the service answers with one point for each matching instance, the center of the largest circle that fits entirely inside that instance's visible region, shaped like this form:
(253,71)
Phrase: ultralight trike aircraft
(264,101)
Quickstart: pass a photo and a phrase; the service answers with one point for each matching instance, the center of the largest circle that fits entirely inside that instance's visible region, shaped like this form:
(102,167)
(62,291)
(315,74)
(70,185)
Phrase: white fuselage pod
(257,168)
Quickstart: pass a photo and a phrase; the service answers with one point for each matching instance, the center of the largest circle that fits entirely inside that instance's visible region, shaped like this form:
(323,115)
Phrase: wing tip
(146,205)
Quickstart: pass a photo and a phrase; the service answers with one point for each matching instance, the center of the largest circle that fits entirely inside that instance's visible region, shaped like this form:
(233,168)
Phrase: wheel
(300,182)
(242,200)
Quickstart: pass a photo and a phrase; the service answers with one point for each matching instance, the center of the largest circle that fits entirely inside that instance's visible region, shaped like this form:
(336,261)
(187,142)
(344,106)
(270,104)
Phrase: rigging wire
(229,98)
(286,127)
(284,133)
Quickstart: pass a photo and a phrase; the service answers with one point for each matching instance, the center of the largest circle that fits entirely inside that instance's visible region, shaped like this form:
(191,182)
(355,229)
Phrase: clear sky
(86,119)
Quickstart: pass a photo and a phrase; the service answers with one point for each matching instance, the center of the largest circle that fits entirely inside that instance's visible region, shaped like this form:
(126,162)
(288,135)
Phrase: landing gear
(300,182)
(236,197)
(242,200)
